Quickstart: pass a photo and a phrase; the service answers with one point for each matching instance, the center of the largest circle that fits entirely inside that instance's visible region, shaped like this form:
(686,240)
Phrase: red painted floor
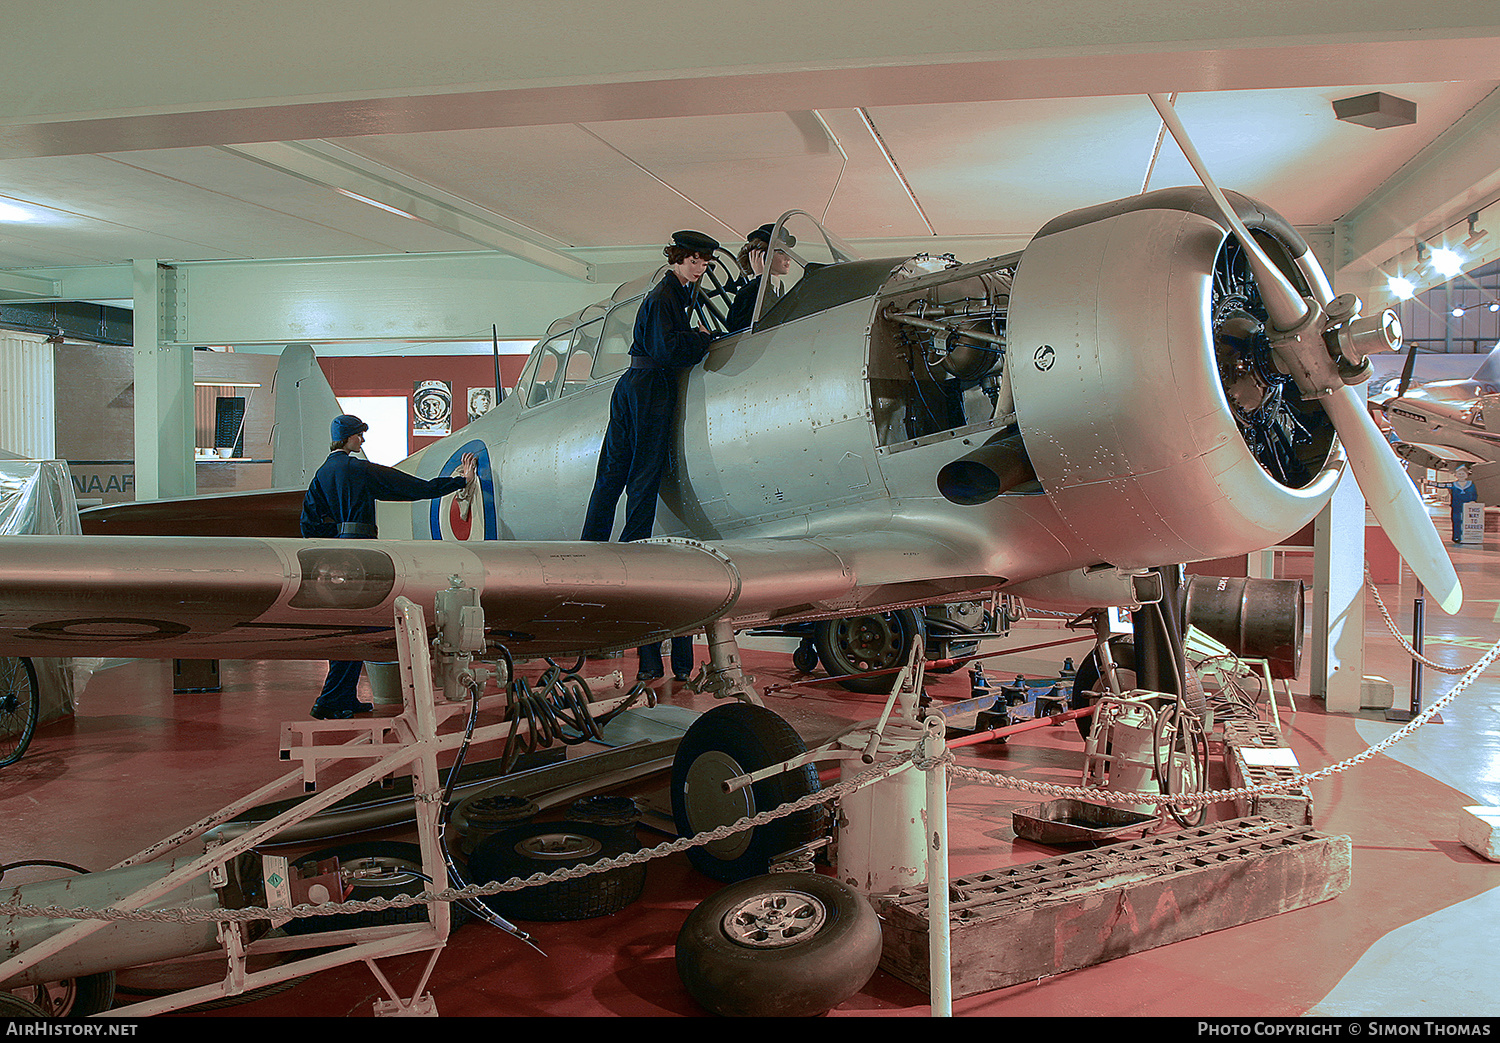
(138,763)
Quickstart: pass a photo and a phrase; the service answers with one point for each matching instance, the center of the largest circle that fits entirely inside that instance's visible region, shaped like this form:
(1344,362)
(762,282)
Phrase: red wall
(367,376)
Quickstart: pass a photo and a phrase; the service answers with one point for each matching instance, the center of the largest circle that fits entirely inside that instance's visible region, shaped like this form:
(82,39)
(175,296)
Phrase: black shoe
(318,713)
(679,678)
(364,707)
(648,675)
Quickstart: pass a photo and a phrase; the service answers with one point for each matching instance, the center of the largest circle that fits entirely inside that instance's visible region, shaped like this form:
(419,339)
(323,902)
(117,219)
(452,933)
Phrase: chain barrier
(823,796)
(1390,625)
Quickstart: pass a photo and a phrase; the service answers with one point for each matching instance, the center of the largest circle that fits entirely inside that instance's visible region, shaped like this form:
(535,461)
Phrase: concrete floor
(1411,936)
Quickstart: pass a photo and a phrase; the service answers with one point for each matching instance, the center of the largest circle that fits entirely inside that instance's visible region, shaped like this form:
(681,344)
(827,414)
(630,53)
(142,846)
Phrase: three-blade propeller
(1296,330)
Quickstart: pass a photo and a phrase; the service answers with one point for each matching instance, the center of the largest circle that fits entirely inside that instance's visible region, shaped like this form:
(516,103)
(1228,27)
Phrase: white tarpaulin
(36,498)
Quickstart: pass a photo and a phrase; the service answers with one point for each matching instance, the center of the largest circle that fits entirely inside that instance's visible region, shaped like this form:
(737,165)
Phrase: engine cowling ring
(1118,389)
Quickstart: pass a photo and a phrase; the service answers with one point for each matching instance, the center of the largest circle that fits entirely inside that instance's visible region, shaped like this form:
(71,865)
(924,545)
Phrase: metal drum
(1254,618)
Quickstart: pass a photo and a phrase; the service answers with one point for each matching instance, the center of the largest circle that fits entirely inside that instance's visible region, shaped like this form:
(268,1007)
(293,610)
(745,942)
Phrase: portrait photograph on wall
(432,407)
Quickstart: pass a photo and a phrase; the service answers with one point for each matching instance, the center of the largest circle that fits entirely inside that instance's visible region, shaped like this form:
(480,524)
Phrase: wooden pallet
(1030,921)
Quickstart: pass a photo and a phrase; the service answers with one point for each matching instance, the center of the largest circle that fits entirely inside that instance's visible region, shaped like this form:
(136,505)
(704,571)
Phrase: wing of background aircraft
(1436,457)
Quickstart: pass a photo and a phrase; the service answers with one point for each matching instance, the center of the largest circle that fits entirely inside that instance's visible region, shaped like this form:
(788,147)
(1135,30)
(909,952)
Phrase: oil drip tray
(1075,822)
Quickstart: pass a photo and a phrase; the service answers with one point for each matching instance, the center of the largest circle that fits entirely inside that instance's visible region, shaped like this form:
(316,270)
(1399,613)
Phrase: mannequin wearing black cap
(643,409)
(757,243)
(340,503)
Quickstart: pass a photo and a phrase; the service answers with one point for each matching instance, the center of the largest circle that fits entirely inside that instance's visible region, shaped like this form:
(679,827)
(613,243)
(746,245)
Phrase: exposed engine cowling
(1148,402)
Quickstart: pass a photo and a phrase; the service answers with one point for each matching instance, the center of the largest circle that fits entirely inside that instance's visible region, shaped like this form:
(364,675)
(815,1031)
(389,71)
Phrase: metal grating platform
(1030,921)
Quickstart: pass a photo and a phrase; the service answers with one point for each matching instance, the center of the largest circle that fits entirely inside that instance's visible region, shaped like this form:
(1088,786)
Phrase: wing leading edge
(248,598)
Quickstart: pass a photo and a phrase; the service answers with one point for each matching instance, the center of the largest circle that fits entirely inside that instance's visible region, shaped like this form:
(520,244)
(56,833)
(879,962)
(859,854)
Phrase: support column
(1338,616)
(164,421)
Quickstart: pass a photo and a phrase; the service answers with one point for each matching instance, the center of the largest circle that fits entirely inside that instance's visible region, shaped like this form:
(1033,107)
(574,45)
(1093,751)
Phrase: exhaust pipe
(996,467)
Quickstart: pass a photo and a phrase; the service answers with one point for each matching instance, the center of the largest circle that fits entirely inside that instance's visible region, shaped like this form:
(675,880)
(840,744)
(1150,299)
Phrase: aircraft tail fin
(1489,369)
(305,404)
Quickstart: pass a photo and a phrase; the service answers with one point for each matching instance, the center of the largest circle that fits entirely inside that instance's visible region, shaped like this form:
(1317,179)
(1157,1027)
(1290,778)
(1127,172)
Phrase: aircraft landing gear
(723,677)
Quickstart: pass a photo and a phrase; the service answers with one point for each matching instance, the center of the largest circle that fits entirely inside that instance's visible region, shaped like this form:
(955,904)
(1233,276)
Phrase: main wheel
(18,707)
(545,847)
(780,945)
(727,741)
(376,869)
(860,644)
(1086,683)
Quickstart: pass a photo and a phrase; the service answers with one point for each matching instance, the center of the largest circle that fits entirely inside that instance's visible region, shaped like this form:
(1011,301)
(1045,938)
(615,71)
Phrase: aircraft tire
(858,644)
(780,945)
(1087,679)
(805,657)
(72,997)
(13,1006)
(375,869)
(545,847)
(730,740)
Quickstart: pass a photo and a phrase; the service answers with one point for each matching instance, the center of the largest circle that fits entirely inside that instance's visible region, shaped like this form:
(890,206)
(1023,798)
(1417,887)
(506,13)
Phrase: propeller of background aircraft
(1318,342)
(1406,370)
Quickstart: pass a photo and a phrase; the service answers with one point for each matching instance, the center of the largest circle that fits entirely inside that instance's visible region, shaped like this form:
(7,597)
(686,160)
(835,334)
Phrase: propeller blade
(1393,499)
(1382,479)
(1284,305)
(1406,370)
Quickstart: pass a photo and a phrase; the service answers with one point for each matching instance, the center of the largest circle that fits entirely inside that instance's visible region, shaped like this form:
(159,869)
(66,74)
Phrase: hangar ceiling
(578,133)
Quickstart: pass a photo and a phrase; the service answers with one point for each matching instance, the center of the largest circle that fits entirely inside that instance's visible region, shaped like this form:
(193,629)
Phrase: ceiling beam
(461,64)
(338,169)
(16,287)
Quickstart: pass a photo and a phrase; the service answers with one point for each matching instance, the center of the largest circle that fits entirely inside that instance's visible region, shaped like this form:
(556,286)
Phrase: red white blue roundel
(447,519)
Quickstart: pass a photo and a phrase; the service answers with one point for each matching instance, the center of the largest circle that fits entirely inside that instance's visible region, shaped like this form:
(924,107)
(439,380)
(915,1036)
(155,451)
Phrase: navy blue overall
(638,442)
(340,503)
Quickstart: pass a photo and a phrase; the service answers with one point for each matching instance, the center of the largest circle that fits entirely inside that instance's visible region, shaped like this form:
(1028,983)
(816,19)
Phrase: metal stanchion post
(939,950)
(1418,627)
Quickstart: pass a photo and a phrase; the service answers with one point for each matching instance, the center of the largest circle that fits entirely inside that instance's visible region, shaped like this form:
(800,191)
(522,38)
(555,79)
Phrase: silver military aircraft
(1451,423)
(1161,379)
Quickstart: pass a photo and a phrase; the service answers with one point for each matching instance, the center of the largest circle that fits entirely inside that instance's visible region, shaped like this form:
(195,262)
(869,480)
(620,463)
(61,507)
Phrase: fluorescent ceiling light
(11,212)
(376,203)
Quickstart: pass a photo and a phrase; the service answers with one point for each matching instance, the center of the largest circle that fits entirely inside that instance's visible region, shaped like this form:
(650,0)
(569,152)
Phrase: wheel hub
(709,807)
(869,641)
(558,846)
(775,919)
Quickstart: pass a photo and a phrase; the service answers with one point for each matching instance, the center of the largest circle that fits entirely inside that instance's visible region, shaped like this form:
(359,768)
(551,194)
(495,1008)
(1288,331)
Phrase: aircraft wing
(1437,457)
(248,598)
(261,512)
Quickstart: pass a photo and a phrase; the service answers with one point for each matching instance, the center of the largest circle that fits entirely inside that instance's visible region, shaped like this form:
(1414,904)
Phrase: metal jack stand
(407,743)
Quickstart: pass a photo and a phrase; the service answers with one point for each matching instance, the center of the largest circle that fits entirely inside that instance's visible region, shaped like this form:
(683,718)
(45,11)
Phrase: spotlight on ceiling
(1476,235)
(1446,262)
(1377,111)
(1401,287)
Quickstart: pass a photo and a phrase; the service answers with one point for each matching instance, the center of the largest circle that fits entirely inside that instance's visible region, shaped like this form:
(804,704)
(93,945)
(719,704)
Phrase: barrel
(1253,618)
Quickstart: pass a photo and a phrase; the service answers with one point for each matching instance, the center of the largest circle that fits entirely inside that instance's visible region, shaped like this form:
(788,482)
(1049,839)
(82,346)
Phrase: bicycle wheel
(18,707)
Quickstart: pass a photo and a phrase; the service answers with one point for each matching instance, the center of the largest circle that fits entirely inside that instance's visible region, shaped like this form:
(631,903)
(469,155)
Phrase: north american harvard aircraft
(1157,380)
(1449,423)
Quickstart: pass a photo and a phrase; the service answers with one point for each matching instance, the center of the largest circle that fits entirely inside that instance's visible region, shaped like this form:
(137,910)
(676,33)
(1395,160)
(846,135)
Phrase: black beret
(696,241)
(763,235)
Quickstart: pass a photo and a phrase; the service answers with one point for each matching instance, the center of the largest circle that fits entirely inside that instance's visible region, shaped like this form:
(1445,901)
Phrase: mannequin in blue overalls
(642,416)
(753,258)
(1460,492)
(340,504)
